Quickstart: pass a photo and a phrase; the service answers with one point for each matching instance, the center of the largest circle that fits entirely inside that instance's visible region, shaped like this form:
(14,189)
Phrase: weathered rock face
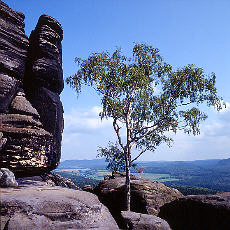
(35,205)
(31,79)
(146,196)
(200,212)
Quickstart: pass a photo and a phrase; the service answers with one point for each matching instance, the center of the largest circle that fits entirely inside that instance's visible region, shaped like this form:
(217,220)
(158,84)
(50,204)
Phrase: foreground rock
(138,221)
(200,212)
(31,80)
(35,205)
(146,196)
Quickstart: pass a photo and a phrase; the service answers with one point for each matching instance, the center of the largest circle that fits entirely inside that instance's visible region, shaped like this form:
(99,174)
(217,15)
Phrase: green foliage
(145,96)
(115,157)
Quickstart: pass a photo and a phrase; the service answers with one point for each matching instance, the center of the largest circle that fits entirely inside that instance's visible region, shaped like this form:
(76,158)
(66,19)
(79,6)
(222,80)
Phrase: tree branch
(139,154)
(117,128)
(135,139)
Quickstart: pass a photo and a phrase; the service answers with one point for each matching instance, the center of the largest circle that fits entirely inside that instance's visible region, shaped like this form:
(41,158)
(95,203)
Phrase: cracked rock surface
(36,205)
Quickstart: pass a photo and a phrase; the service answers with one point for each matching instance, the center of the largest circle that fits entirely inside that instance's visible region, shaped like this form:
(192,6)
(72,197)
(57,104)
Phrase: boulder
(200,212)
(31,80)
(146,196)
(139,221)
(35,205)
(7,178)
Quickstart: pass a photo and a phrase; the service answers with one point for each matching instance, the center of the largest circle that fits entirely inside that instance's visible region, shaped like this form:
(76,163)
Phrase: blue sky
(186,32)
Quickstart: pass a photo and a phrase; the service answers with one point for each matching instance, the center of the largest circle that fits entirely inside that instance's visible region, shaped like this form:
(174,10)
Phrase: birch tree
(146,98)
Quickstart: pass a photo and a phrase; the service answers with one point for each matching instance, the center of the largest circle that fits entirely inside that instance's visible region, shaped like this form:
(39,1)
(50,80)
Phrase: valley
(190,177)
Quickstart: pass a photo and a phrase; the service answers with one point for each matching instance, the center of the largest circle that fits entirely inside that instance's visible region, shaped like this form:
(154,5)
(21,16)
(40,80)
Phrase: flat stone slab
(45,207)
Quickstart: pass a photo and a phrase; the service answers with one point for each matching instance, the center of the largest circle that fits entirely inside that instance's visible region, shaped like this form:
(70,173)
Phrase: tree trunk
(128,160)
(127,181)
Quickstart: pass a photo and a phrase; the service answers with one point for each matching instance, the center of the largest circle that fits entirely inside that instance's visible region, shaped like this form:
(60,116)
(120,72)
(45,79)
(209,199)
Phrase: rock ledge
(35,205)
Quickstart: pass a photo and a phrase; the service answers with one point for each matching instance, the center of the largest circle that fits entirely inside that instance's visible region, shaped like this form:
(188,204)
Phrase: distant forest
(193,177)
(211,174)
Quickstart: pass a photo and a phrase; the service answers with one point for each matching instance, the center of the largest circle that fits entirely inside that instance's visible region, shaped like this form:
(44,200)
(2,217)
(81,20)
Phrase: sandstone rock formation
(31,113)
(146,196)
(200,212)
(139,221)
(34,205)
